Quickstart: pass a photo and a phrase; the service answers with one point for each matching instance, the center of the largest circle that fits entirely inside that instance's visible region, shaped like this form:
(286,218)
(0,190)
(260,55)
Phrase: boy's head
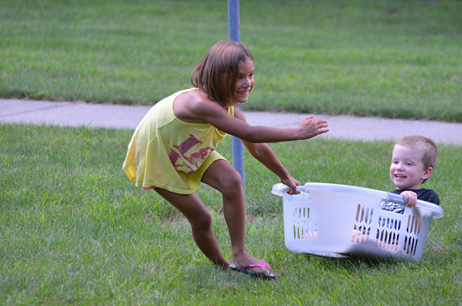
(413,161)
(218,72)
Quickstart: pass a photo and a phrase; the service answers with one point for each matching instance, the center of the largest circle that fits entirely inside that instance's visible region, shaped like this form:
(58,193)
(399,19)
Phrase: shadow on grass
(355,264)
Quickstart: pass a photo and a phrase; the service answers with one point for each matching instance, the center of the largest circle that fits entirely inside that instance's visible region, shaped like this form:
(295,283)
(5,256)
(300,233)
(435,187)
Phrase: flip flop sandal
(247,270)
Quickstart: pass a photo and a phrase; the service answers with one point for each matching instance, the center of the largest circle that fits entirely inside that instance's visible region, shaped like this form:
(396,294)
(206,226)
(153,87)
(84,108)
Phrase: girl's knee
(223,177)
(231,182)
(202,221)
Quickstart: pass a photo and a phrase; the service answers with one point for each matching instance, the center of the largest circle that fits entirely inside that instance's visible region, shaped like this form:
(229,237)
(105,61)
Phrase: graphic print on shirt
(185,158)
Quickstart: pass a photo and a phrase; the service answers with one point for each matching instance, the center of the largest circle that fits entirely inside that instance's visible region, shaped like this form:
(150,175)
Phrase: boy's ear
(427,173)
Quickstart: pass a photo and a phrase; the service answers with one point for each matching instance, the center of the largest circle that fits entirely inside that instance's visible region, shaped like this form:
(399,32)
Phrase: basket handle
(396,198)
(436,210)
(281,189)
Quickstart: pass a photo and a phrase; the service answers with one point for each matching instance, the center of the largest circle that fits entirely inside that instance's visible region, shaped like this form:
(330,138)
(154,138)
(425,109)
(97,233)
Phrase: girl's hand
(311,127)
(410,198)
(292,183)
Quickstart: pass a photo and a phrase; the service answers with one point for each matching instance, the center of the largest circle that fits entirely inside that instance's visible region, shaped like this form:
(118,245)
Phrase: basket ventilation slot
(362,226)
(414,225)
(304,224)
(388,233)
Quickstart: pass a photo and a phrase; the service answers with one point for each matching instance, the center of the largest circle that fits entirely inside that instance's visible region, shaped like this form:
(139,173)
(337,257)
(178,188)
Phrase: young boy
(413,161)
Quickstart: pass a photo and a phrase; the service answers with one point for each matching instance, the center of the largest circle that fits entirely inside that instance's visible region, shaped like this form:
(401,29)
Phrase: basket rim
(281,190)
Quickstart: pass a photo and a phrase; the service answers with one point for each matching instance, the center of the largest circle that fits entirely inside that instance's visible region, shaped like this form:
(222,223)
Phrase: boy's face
(407,169)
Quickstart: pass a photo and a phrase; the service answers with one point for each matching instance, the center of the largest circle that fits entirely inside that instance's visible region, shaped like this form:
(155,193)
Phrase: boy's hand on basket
(292,184)
(410,197)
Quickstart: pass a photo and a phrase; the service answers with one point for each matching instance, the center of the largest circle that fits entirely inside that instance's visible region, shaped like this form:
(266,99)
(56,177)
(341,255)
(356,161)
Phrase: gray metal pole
(233,20)
(234,35)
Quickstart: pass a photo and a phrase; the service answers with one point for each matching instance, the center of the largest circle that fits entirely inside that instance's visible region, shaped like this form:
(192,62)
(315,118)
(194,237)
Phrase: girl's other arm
(264,154)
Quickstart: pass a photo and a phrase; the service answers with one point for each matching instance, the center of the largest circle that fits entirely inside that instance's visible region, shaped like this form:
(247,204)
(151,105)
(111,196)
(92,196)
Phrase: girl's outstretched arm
(307,129)
(192,107)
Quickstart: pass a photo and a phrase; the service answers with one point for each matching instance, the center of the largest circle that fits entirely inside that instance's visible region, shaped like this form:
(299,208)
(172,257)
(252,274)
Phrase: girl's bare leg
(223,177)
(201,224)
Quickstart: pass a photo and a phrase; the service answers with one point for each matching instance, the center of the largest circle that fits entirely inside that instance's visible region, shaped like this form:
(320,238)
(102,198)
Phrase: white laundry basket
(340,220)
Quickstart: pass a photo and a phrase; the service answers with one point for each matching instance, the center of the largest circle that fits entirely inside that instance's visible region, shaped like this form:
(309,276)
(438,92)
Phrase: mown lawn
(76,231)
(381,58)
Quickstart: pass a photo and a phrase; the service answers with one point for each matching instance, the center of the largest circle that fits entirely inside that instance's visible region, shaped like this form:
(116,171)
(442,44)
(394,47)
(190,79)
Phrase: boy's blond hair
(423,145)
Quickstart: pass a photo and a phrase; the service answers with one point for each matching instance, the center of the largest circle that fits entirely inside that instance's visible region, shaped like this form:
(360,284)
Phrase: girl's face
(245,80)
(407,169)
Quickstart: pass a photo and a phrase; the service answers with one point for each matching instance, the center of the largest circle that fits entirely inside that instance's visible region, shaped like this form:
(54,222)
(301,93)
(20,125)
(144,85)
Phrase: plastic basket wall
(340,220)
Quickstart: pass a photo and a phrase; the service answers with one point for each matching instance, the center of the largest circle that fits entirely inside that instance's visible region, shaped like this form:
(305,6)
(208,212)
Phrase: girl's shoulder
(195,99)
(194,106)
(191,96)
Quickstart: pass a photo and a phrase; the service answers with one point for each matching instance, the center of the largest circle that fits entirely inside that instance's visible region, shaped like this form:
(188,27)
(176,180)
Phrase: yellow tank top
(169,153)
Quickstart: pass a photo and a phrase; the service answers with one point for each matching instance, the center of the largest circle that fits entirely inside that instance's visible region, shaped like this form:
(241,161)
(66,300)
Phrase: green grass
(74,230)
(397,59)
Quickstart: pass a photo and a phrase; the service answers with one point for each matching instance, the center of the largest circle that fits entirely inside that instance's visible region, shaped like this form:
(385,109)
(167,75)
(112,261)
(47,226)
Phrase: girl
(173,149)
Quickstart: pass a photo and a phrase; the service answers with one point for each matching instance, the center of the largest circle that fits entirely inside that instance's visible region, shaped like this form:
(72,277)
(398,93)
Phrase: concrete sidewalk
(128,117)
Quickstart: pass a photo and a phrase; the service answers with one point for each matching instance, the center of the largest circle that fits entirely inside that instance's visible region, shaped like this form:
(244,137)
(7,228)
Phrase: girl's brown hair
(217,73)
